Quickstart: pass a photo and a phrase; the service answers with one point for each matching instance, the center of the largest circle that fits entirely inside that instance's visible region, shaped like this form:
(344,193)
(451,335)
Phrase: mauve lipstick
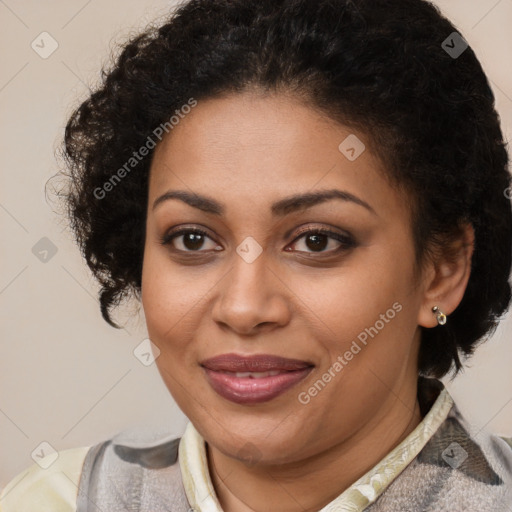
(279,375)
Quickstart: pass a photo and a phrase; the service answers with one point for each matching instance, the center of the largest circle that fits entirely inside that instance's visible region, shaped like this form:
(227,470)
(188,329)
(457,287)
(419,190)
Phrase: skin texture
(247,151)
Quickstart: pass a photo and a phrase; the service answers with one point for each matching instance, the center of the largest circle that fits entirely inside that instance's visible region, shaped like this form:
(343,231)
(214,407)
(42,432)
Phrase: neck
(308,485)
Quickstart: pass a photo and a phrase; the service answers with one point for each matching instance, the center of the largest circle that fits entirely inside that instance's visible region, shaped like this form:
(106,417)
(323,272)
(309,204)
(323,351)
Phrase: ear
(446,279)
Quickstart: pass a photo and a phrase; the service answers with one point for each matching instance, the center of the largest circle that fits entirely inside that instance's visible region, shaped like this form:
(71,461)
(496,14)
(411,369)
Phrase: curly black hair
(386,67)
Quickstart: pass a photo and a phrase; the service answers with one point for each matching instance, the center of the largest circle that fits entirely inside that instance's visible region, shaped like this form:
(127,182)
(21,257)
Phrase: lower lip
(245,390)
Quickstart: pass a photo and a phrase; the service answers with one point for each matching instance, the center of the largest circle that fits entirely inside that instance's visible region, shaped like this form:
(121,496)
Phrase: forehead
(251,147)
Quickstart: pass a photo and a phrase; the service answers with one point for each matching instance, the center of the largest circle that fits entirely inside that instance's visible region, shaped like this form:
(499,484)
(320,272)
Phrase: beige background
(67,378)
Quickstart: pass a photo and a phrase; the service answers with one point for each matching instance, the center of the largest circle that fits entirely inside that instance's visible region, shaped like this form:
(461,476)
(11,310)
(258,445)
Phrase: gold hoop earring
(441,317)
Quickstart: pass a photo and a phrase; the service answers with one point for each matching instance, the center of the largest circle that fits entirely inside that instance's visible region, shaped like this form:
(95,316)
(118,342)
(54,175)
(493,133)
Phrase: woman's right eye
(192,240)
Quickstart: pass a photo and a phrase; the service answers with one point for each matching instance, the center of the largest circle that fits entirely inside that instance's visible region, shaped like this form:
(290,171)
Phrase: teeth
(257,375)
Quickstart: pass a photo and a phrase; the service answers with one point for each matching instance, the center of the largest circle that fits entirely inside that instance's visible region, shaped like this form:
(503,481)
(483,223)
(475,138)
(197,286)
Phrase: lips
(255,363)
(253,379)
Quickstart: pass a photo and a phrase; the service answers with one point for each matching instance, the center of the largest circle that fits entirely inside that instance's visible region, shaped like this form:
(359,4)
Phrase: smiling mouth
(253,379)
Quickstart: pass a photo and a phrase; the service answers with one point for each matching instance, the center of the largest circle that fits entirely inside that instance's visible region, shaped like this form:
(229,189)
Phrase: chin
(253,442)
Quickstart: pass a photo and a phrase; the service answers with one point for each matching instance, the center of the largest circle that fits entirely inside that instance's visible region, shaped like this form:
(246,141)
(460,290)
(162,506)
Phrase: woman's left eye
(317,240)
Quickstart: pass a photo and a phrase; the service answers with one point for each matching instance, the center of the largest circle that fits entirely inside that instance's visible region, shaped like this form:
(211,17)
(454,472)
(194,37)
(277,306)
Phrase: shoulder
(50,485)
(138,465)
(459,466)
(470,467)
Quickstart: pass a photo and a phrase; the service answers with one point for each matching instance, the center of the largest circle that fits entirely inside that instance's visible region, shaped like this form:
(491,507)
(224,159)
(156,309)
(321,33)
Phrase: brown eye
(318,240)
(192,240)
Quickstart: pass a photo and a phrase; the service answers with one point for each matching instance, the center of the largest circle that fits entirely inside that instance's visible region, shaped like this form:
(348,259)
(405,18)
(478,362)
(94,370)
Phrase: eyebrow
(279,208)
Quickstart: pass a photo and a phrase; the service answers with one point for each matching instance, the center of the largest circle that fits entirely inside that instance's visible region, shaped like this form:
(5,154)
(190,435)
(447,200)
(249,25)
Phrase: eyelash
(346,241)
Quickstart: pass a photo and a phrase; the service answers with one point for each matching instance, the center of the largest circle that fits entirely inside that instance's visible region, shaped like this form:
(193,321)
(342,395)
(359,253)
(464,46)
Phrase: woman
(309,197)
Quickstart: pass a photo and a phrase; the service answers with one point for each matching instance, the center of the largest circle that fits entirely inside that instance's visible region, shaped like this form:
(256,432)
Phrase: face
(237,265)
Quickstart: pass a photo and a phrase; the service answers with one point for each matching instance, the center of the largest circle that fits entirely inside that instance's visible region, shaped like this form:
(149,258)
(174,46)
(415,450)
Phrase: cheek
(162,292)
(360,293)
(373,305)
(159,297)
(166,317)
(151,292)
(173,301)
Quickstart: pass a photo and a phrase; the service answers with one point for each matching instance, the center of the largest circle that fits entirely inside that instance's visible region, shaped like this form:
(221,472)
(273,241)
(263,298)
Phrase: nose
(252,298)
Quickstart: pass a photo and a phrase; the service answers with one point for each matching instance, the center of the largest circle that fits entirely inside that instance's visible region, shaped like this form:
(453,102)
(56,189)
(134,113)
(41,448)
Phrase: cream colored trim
(194,472)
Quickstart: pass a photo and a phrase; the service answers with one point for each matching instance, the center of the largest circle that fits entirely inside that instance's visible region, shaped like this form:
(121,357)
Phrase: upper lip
(253,363)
